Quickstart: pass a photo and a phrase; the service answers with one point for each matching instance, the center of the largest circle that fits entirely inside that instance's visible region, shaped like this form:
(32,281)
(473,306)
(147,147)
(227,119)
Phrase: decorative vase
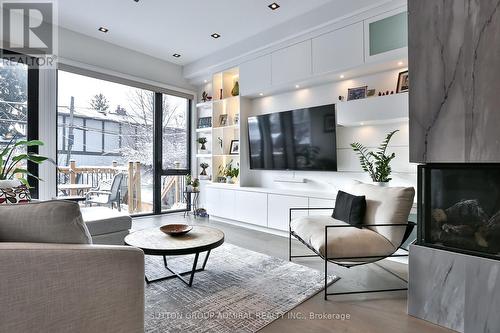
(236,89)
(203,147)
(229,180)
(203,172)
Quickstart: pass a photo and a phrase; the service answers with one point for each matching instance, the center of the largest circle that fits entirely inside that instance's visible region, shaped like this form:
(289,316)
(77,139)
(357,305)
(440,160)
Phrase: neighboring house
(101,138)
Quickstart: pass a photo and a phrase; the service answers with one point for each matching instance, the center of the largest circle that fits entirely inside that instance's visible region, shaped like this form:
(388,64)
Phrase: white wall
(404,173)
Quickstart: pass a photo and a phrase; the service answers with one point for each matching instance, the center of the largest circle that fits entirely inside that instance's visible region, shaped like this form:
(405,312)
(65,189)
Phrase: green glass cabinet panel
(389,34)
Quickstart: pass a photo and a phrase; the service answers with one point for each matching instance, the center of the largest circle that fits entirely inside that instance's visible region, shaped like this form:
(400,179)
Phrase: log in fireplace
(459,207)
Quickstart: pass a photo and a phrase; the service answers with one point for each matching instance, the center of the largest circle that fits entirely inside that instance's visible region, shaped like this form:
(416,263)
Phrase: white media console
(262,207)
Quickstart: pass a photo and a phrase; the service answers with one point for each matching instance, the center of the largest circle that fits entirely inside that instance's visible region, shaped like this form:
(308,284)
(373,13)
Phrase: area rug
(240,291)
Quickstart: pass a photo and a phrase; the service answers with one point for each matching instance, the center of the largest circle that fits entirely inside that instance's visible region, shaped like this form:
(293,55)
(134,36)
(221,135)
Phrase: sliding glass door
(110,139)
(175,162)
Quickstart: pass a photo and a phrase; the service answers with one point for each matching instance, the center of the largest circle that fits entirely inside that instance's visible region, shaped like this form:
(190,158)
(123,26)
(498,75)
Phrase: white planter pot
(9,183)
(381,184)
(189,188)
(229,180)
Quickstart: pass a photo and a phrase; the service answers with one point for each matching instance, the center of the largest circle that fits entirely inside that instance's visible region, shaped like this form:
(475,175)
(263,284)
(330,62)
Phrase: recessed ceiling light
(274,6)
(297,86)
(342,76)
(215,35)
(177,55)
(400,63)
(103,29)
(205,81)
(261,94)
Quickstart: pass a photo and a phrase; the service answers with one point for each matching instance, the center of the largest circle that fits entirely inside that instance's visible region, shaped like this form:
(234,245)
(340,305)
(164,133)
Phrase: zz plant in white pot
(376,163)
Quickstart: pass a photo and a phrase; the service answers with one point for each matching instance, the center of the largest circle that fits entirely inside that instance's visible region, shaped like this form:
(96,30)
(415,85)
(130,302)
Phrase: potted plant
(189,183)
(377,164)
(11,159)
(229,172)
(202,141)
(196,185)
(204,167)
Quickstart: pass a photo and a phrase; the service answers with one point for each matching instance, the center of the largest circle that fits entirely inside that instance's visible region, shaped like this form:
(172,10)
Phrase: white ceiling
(161,28)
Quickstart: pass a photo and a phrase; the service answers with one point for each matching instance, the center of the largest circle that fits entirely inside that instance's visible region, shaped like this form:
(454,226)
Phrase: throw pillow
(15,195)
(43,222)
(350,208)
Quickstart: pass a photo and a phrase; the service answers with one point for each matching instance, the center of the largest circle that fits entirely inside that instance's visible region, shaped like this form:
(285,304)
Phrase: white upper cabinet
(338,50)
(292,64)
(386,36)
(255,75)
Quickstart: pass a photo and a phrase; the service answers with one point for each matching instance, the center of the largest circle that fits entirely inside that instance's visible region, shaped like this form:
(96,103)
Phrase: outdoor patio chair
(107,197)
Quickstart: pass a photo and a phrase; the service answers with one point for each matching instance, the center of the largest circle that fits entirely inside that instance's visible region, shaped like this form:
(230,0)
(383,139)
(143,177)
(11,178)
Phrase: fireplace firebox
(459,208)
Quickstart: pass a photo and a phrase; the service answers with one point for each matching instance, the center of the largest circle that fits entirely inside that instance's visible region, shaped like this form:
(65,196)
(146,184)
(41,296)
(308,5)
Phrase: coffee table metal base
(180,275)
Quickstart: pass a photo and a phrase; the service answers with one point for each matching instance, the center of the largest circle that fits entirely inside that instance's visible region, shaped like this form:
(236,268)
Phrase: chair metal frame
(336,260)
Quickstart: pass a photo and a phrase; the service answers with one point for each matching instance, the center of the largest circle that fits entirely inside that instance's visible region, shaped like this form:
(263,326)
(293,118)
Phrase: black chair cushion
(350,208)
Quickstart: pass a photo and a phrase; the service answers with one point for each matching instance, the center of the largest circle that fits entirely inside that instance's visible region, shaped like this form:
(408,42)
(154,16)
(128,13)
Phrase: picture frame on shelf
(223,120)
(403,82)
(357,93)
(370,93)
(235,147)
(204,122)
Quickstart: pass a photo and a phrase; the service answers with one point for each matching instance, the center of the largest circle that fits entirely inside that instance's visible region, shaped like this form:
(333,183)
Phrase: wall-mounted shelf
(373,110)
(205,129)
(203,155)
(204,105)
(236,126)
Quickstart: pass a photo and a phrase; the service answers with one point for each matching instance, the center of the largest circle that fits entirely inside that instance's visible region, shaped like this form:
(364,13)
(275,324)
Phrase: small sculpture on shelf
(204,166)
(204,96)
(236,89)
(202,141)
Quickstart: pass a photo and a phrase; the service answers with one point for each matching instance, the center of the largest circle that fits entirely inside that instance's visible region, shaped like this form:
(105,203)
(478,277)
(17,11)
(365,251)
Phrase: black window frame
(158,170)
(32,119)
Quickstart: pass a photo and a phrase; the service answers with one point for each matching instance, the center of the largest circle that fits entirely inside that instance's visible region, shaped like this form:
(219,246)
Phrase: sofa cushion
(102,220)
(43,222)
(386,205)
(342,242)
(349,208)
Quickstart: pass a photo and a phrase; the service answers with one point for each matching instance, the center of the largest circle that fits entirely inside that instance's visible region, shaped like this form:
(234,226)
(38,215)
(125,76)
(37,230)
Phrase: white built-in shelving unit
(220,135)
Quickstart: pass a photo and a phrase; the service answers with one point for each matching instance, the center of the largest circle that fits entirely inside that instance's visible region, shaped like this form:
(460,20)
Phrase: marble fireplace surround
(457,291)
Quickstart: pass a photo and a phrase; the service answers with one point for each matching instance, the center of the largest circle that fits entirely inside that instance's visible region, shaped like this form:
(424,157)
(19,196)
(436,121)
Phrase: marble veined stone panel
(454,61)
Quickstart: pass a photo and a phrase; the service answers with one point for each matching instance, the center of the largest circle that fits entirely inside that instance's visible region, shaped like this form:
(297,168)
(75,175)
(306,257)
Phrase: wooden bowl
(176,229)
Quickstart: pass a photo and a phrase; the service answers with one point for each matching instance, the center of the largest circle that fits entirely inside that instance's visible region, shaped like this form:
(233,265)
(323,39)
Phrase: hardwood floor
(363,313)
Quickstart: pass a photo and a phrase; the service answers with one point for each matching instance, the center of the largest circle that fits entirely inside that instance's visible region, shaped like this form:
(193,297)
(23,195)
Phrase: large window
(106,129)
(19,107)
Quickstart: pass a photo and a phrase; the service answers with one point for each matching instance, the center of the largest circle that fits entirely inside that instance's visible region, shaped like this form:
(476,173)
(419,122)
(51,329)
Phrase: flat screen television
(302,139)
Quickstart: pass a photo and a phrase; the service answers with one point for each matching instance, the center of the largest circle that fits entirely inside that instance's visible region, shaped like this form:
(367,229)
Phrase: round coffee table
(155,242)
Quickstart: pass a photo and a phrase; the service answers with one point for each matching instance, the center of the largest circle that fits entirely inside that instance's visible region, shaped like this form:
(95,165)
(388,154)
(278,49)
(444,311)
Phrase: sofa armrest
(71,288)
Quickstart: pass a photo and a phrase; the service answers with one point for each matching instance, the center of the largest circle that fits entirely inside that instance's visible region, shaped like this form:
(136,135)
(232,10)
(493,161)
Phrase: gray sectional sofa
(53,279)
